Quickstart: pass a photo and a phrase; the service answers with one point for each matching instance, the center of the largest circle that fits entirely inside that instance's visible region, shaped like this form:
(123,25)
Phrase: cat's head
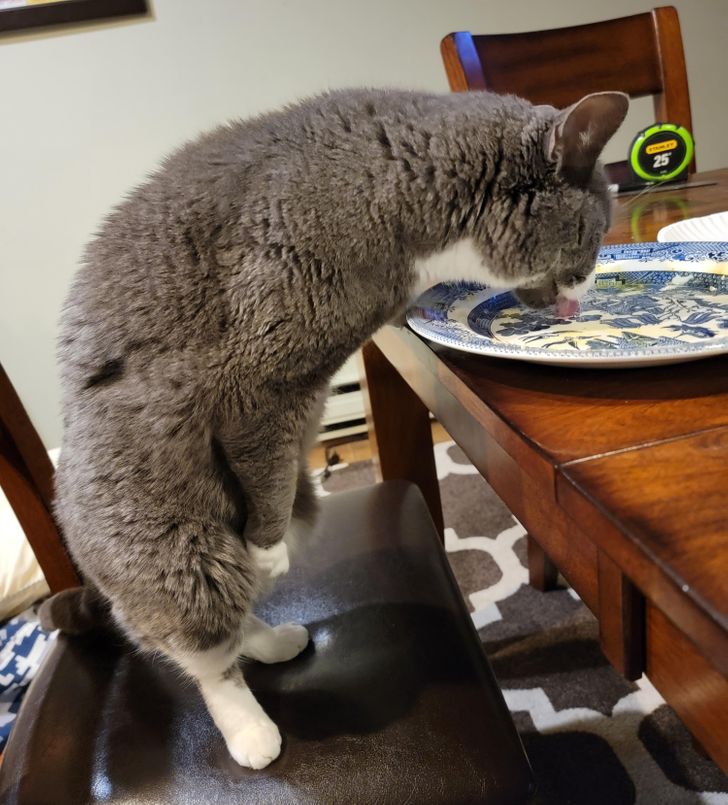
(543,234)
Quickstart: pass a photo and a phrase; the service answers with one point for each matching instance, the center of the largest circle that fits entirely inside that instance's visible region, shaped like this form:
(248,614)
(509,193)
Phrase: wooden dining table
(620,477)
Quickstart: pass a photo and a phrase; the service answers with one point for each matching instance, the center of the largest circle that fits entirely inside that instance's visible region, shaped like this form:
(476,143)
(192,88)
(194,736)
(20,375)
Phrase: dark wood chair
(393,701)
(26,478)
(641,55)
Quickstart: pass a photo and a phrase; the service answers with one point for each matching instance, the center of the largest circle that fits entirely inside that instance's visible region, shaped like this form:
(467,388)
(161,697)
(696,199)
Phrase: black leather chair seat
(393,702)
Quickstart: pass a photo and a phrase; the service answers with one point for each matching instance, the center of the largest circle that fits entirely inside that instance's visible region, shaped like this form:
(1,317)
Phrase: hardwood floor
(358,449)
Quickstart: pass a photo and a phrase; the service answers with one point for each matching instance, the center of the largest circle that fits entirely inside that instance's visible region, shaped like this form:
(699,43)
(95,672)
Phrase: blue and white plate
(652,303)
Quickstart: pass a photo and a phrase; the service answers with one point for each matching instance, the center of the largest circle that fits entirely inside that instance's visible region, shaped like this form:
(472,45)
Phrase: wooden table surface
(640,218)
(619,475)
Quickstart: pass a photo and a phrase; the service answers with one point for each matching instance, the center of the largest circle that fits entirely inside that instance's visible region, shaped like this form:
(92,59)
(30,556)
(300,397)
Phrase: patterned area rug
(593,738)
(22,646)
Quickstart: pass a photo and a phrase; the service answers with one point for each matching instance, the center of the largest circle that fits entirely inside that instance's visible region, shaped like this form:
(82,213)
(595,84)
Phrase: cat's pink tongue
(566,308)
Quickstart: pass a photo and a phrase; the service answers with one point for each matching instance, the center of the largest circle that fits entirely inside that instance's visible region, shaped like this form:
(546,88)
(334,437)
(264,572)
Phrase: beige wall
(85,113)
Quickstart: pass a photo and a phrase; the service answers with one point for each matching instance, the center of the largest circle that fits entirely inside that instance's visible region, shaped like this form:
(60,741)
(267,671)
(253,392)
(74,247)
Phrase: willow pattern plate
(652,303)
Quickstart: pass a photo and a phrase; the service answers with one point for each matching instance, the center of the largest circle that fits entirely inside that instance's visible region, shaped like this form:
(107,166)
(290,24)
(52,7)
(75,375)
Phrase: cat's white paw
(256,744)
(290,640)
(271,561)
(271,644)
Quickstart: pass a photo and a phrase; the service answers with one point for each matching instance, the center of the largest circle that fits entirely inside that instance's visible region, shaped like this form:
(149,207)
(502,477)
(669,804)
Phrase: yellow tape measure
(661,152)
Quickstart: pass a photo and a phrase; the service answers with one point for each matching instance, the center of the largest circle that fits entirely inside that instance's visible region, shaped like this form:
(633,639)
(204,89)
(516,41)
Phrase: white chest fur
(578,291)
(458,262)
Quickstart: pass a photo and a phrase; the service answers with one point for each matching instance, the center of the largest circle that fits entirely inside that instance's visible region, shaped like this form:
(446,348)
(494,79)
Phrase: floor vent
(344,412)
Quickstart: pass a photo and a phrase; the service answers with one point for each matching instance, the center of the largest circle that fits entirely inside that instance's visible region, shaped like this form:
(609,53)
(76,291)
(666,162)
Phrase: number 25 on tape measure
(661,152)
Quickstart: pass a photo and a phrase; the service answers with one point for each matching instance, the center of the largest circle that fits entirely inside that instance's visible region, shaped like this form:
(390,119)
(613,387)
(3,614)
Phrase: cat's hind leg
(270,644)
(252,738)
(190,603)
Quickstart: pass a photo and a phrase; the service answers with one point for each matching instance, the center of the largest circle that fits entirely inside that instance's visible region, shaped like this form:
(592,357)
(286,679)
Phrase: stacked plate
(707,228)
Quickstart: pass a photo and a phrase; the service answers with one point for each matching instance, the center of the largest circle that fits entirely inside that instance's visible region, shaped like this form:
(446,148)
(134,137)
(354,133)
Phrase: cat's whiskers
(648,189)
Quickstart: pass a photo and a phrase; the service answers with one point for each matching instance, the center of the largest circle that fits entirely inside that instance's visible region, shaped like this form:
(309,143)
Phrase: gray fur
(219,298)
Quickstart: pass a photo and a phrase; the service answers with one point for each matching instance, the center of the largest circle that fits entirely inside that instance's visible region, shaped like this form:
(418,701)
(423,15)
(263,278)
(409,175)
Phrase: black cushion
(394,701)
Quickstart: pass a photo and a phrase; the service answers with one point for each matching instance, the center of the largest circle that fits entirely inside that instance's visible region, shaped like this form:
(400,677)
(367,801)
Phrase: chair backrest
(26,478)
(640,55)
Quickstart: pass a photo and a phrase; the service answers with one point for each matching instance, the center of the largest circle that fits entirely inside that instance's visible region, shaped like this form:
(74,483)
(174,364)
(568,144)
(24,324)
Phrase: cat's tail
(77,610)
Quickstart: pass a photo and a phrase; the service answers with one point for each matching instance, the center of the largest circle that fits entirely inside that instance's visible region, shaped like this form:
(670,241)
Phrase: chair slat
(641,55)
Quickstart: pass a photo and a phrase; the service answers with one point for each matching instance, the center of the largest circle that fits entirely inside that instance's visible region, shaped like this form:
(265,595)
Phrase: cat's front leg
(280,498)
(272,561)
(268,530)
(267,476)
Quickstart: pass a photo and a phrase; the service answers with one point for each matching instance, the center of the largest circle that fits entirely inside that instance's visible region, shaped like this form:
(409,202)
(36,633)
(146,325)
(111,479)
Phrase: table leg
(690,683)
(621,619)
(399,427)
(542,572)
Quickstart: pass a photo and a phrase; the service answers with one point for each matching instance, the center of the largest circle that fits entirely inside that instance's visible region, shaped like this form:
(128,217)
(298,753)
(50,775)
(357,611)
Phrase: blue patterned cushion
(22,647)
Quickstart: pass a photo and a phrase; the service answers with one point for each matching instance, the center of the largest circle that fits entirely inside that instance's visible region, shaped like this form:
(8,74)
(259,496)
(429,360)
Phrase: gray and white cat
(219,298)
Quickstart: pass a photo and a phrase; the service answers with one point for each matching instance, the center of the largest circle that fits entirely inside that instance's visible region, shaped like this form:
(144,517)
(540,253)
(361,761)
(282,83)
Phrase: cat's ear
(579,134)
